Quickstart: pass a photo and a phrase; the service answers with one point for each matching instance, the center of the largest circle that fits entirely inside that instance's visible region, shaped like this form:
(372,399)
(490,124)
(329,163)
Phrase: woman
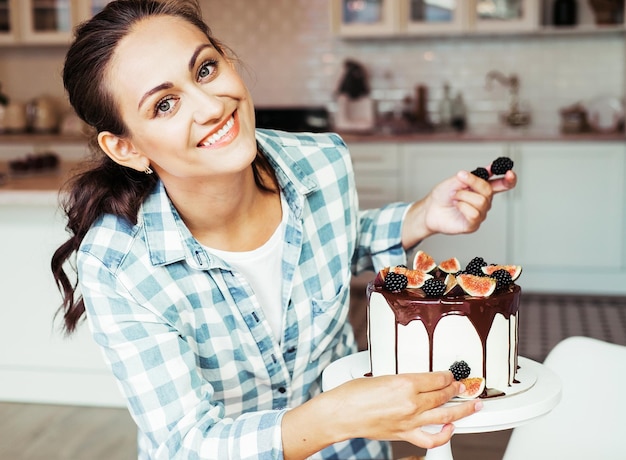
(214,260)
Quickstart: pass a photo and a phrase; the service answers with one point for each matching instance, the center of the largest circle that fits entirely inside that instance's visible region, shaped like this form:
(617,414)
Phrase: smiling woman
(214,259)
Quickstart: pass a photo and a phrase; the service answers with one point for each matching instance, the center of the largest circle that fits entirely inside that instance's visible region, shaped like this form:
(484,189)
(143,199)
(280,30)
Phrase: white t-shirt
(262,268)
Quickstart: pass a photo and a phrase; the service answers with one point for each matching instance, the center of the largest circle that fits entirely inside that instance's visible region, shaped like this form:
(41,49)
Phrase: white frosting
(455,339)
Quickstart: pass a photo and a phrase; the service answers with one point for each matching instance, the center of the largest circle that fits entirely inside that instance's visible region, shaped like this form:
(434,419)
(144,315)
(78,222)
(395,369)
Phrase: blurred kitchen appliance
(13,118)
(608,12)
(355,108)
(42,115)
(565,13)
(293,119)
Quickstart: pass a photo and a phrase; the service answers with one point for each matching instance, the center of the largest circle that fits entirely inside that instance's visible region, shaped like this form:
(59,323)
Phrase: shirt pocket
(329,317)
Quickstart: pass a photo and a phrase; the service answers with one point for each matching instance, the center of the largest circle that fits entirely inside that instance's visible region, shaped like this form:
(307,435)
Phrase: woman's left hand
(459,204)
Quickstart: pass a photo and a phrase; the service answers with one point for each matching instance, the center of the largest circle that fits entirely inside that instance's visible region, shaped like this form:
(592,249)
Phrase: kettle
(13,117)
(42,115)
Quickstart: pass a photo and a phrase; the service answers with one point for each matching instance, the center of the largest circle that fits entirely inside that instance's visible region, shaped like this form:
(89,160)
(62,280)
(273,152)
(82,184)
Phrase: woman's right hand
(396,407)
(393,408)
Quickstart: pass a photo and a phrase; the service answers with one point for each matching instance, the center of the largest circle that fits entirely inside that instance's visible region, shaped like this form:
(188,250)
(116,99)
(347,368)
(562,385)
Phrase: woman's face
(188,112)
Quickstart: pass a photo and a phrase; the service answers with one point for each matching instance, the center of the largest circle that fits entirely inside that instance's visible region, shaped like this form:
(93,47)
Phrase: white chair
(589,421)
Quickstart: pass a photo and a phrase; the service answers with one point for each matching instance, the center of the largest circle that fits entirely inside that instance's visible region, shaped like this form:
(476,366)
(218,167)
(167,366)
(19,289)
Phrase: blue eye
(164,106)
(207,69)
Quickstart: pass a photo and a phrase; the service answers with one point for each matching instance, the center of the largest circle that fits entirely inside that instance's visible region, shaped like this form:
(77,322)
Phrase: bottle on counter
(459,113)
(565,13)
(445,109)
(422,118)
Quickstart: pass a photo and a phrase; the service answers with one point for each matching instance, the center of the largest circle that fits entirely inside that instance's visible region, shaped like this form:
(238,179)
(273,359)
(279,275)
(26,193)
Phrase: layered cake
(438,316)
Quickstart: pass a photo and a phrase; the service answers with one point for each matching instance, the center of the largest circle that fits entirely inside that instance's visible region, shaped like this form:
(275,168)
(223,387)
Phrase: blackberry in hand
(501,165)
(460,370)
(395,282)
(434,287)
(481,172)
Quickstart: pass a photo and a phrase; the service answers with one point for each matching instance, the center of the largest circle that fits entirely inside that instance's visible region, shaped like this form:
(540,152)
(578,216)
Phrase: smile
(220,134)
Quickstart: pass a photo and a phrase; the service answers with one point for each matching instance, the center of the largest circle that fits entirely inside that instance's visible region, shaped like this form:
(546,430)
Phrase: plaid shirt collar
(169,240)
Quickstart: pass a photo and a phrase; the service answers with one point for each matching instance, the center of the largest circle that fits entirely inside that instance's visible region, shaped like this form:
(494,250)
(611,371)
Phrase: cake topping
(451,265)
(475,266)
(434,287)
(474,387)
(477,286)
(423,262)
(478,279)
(503,279)
(514,270)
(460,370)
(395,282)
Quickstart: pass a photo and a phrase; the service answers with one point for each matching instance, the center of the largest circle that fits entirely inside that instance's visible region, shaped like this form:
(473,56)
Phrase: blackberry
(481,172)
(460,370)
(501,165)
(503,279)
(474,267)
(395,282)
(434,287)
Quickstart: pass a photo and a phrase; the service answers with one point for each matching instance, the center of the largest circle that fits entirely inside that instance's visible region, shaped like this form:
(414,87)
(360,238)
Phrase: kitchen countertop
(496,134)
(40,188)
(504,135)
(43,188)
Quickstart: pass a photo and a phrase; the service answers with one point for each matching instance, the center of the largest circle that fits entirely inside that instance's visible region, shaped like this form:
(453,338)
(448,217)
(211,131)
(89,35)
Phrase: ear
(122,151)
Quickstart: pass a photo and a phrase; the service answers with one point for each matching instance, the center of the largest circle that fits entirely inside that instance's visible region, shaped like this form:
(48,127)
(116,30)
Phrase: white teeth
(218,135)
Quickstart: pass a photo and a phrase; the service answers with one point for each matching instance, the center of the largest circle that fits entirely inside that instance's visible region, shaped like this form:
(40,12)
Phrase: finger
(449,413)
(428,440)
(431,381)
(504,183)
(473,182)
(475,199)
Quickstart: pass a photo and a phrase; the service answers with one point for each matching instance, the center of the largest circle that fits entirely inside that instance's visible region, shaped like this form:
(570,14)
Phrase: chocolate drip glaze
(411,304)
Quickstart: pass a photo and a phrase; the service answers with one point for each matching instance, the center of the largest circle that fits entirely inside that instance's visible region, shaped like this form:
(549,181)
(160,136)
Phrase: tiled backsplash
(291,58)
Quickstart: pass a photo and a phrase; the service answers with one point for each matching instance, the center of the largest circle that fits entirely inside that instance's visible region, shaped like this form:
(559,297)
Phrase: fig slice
(477,286)
(423,262)
(514,270)
(415,278)
(452,287)
(451,265)
(474,387)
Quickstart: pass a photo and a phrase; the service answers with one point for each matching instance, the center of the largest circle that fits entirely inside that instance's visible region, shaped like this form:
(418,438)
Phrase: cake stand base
(497,414)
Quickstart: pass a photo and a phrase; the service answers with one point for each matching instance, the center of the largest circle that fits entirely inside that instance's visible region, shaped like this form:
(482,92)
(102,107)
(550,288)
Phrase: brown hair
(106,187)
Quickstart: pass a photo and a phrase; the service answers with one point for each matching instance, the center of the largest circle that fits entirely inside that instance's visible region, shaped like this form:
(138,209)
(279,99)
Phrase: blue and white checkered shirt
(185,336)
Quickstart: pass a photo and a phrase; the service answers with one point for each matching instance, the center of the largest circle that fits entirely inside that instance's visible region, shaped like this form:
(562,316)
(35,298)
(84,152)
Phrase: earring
(148,170)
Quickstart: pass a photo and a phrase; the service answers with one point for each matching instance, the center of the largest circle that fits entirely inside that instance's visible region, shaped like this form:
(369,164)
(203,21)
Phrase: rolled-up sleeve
(379,242)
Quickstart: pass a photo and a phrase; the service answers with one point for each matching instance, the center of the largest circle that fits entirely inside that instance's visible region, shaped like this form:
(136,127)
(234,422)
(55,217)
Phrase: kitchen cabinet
(564,223)
(43,22)
(377,173)
(8,21)
(569,215)
(504,15)
(38,363)
(425,165)
(402,18)
(356,18)
(425,17)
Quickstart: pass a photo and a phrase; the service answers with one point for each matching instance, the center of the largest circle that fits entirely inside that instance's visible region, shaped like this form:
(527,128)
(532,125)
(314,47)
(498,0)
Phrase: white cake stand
(501,413)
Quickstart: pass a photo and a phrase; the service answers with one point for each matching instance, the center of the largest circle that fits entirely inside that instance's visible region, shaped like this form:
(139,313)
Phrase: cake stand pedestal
(497,414)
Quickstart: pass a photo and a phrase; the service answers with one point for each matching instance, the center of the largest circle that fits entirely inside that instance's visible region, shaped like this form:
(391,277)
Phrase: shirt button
(291,349)
(282,389)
